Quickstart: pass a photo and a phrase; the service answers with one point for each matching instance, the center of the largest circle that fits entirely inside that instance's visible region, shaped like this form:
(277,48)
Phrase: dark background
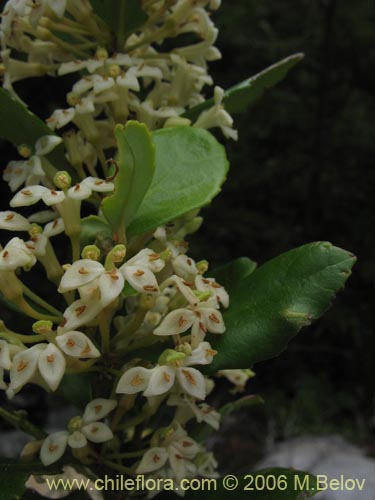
(300,172)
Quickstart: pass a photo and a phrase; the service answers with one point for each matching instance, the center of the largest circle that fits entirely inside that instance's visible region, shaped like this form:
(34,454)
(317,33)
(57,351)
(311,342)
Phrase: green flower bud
(185,348)
(91,252)
(35,230)
(101,53)
(73,99)
(202,296)
(202,266)
(42,327)
(75,424)
(24,150)
(171,357)
(114,70)
(62,180)
(177,121)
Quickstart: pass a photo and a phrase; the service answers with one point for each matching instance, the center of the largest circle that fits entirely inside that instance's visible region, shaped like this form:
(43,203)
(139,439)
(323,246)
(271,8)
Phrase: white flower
(87,428)
(57,6)
(80,191)
(238,378)
(39,240)
(210,285)
(16,254)
(176,449)
(5,361)
(201,318)
(79,313)
(160,379)
(48,360)
(217,117)
(187,408)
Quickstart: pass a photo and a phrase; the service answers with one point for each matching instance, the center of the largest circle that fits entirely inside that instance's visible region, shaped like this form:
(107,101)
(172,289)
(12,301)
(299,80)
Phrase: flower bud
(91,252)
(101,53)
(62,180)
(202,296)
(114,70)
(202,266)
(35,230)
(185,348)
(42,327)
(24,150)
(73,99)
(171,357)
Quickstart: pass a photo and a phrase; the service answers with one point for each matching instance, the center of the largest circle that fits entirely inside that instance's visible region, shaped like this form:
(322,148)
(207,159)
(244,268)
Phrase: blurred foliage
(301,172)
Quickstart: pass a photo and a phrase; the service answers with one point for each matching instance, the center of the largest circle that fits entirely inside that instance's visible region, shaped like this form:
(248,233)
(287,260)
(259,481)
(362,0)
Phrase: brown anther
(138,272)
(181,321)
(98,183)
(150,288)
(189,377)
(82,270)
(98,408)
(190,262)
(166,377)
(87,349)
(156,458)
(136,380)
(63,322)
(211,352)
(77,187)
(214,318)
(9,217)
(26,192)
(94,428)
(188,284)
(55,222)
(187,443)
(5,254)
(179,456)
(53,192)
(21,365)
(70,343)
(202,327)
(216,285)
(80,310)
(51,358)
(154,256)
(52,447)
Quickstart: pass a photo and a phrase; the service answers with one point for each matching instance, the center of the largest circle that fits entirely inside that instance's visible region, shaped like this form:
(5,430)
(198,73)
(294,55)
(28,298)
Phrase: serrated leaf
(136,163)
(14,474)
(191,166)
(240,96)
(76,388)
(268,484)
(19,126)
(272,304)
(122,16)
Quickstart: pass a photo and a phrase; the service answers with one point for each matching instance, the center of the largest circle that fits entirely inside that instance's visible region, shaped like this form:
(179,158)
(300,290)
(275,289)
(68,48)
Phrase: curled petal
(201,355)
(80,191)
(161,381)
(147,258)
(51,365)
(134,380)
(99,185)
(28,196)
(77,345)
(80,273)
(53,197)
(97,432)
(53,447)
(192,382)
(98,409)
(46,144)
(177,321)
(152,460)
(53,228)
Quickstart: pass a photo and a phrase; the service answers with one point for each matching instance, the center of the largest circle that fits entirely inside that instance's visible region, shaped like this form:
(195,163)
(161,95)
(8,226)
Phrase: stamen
(83,271)
(9,217)
(136,380)
(150,288)
(166,377)
(80,310)
(51,358)
(138,273)
(214,318)
(21,365)
(189,377)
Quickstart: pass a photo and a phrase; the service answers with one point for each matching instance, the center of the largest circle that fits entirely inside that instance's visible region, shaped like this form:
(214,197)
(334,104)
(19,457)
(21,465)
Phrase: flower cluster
(139,315)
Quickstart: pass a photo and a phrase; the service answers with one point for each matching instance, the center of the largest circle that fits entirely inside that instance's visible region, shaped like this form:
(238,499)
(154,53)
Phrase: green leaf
(122,16)
(272,304)
(13,475)
(19,126)
(233,272)
(136,169)
(94,228)
(76,388)
(267,484)
(241,95)
(190,168)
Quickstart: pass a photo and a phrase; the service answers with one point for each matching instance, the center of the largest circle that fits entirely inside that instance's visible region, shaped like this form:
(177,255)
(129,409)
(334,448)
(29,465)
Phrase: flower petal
(12,221)
(80,273)
(24,366)
(98,409)
(28,196)
(133,380)
(53,197)
(192,382)
(201,355)
(77,345)
(80,191)
(152,460)
(46,144)
(97,432)
(177,321)
(213,320)
(51,365)
(140,278)
(161,381)
(53,447)
(79,313)
(111,284)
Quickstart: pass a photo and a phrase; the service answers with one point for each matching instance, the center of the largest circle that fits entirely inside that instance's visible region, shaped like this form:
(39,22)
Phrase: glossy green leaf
(13,475)
(19,126)
(190,168)
(267,484)
(122,16)
(76,388)
(272,304)
(241,95)
(136,165)
(233,272)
